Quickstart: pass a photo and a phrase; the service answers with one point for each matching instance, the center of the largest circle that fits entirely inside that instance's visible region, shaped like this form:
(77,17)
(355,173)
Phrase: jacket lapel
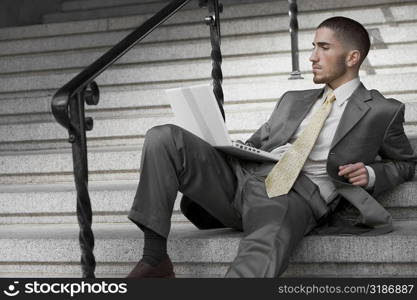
(298,111)
(355,109)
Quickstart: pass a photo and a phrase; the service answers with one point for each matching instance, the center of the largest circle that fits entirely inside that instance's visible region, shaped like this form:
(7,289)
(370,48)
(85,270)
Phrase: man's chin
(318,80)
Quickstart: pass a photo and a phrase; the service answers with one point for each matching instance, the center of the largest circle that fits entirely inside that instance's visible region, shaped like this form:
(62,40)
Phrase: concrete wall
(25,12)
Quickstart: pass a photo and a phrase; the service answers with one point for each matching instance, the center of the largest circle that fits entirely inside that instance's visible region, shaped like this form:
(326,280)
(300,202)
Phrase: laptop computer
(196,110)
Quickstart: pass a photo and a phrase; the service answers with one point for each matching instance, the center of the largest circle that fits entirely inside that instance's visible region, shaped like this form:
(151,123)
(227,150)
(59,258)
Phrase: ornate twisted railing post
(68,109)
(213,20)
(77,137)
(293,11)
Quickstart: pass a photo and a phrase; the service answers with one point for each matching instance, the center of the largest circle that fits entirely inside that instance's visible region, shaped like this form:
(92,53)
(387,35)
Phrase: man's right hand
(280,151)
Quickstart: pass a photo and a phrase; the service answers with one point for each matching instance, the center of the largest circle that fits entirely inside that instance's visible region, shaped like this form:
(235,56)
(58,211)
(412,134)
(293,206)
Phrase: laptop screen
(196,110)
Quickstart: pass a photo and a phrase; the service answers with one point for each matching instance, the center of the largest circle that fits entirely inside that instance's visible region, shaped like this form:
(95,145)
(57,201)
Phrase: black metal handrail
(62,98)
(68,109)
(293,13)
(215,8)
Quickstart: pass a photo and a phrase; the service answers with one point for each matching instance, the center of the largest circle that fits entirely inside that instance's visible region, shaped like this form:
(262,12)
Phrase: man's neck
(342,80)
(344,91)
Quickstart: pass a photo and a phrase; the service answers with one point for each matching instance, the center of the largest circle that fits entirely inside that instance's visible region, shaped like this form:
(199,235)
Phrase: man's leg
(173,160)
(273,229)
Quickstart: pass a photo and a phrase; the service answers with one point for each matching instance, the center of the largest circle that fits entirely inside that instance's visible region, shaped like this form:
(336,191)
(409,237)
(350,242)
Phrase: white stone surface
(131,9)
(85,38)
(123,243)
(277,45)
(36,186)
(111,202)
(254,115)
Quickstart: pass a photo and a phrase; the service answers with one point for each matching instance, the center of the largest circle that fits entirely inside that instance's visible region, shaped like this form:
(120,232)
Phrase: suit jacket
(370,131)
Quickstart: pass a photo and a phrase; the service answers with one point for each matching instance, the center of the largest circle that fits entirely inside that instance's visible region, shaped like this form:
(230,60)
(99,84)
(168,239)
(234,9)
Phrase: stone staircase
(38,229)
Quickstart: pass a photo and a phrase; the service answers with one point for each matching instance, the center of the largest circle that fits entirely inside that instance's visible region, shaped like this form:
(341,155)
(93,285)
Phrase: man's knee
(161,135)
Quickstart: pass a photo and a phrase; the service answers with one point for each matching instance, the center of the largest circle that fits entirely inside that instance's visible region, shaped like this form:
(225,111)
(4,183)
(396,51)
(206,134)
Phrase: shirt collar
(344,91)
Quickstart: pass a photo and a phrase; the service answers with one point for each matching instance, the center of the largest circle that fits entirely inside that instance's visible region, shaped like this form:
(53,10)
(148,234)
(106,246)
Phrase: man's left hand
(356,173)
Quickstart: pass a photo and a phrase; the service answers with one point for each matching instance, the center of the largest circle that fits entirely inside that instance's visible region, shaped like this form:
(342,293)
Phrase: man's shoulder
(382,100)
(302,93)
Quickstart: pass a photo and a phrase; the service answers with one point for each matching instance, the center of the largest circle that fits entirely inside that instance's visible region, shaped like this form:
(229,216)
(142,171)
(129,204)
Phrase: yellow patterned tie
(283,175)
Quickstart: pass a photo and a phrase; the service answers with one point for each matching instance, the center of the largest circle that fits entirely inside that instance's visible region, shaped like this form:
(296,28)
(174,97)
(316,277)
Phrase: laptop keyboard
(245,147)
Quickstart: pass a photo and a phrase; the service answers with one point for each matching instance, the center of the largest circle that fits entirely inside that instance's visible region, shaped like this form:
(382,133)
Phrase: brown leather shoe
(164,269)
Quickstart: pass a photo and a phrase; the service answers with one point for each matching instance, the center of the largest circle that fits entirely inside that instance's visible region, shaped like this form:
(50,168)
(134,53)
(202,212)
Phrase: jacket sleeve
(262,134)
(398,159)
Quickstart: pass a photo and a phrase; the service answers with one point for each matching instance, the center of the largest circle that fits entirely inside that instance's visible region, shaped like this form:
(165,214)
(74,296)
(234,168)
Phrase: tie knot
(330,97)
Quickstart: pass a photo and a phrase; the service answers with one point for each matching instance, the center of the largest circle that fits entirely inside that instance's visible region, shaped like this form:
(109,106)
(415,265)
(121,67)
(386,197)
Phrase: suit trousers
(174,159)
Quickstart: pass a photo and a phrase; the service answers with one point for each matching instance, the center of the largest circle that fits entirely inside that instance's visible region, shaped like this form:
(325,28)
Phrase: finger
(343,169)
(360,183)
(343,166)
(358,172)
(358,179)
(355,180)
(351,168)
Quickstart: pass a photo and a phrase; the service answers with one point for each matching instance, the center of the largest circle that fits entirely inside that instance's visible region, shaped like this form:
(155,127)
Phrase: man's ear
(353,58)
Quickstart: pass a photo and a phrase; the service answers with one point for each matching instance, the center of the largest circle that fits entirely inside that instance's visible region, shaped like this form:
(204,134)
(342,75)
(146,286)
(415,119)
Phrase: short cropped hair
(351,32)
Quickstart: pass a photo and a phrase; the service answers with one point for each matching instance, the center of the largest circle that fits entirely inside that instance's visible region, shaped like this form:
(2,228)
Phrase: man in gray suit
(360,152)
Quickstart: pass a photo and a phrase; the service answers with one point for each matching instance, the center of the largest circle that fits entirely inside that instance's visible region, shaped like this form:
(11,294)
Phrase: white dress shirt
(315,166)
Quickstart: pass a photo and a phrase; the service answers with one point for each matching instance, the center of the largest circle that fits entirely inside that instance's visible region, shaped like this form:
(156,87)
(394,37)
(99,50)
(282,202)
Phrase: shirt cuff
(371,178)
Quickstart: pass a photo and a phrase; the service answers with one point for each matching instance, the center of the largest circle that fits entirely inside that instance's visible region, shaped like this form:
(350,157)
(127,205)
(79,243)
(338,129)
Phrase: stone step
(133,9)
(105,161)
(236,23)
(33,106)
(113,126)
(188,70)
(85,10)
(258,112)
(54,203)
(383,56)
(100,160)
(136,125)
(51,203)
(92,26)
(91,4)
(105,12)
(302,4)
(76,10)
(53,250)
(392,14)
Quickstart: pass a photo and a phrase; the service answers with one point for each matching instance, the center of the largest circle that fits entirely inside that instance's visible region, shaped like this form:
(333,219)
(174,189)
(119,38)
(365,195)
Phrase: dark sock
(155,247)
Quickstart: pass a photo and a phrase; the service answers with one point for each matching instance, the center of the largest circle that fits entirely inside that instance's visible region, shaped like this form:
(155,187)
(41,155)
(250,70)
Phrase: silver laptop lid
(196,110)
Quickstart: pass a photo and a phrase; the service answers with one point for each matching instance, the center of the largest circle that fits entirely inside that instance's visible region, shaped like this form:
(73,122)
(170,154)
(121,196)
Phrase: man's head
(340,46)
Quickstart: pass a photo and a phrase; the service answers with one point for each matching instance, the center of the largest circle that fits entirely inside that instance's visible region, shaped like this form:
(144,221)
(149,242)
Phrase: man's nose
(313,56)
